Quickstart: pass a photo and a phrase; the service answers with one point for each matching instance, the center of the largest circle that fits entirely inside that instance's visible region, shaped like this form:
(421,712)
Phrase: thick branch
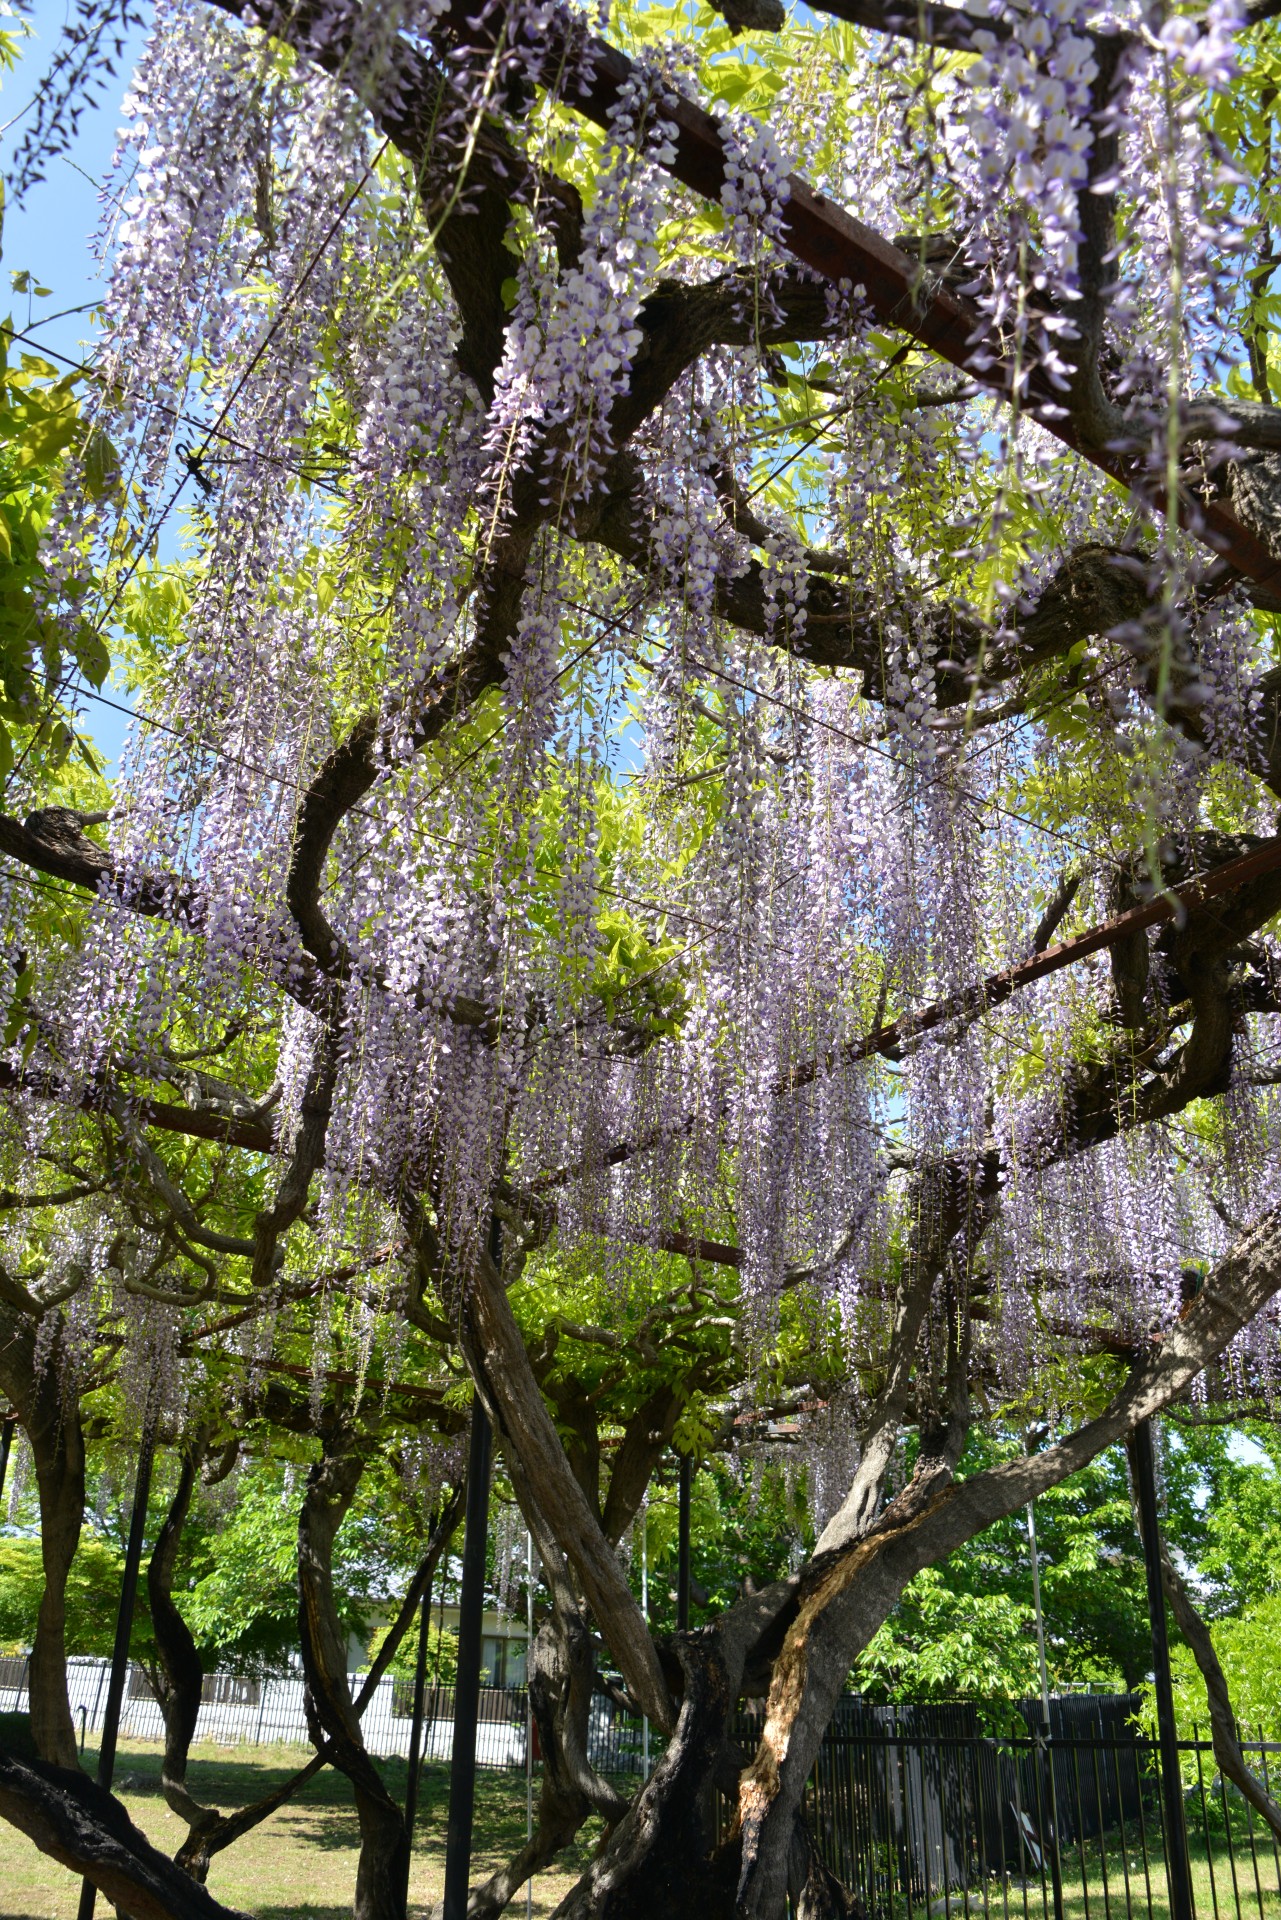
(835,244)
(86,1830)
(536,1461)
(1223,1723)
(384,1843)
(200,1847)
(846,1595)
(53,842)
(181,1671)
(38,1376)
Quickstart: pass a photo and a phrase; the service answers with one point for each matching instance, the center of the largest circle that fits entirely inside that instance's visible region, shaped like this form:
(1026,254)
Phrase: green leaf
(100,464)
(91,654)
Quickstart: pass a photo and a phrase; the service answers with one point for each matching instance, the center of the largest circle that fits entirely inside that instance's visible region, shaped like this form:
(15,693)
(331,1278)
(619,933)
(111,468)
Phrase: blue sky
(50,235)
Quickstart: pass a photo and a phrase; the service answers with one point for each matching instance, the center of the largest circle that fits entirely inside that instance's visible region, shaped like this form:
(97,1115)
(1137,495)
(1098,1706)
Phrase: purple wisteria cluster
(728,783)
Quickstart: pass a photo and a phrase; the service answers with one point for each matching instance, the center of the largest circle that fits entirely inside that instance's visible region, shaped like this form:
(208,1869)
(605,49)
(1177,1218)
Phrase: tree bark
(661,1859)
(182,1674)
(86,1829)
(655,1862)
(384,1843)
(561,1673)
(1223,1722)
(814,1890)
(37,1379)
(846,1589)
(545,1485)
(199,1848)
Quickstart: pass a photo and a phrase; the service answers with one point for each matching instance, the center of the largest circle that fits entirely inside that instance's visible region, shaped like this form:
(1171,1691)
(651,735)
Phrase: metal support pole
(682,1559)
(529,1714)
(1040,1618)
(124,1629)
(1047,1754)
(471,1608)
(1177,1866)
(6,1442)
(645,1613)
(416,1727)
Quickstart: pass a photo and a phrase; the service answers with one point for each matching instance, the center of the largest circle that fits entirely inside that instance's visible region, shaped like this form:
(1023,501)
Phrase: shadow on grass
(294,1912)
(232,1782)
(235,1783)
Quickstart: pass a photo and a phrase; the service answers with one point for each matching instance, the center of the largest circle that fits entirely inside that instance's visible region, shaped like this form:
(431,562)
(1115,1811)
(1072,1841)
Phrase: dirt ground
(301,1863)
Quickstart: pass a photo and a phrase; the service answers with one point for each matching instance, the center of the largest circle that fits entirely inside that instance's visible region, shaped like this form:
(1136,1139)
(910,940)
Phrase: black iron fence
(923,1813)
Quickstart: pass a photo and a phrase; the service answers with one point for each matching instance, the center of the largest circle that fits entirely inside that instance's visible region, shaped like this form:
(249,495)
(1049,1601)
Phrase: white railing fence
(245,1712)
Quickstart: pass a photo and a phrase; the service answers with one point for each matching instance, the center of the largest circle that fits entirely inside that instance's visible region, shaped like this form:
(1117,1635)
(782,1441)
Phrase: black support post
(416,1728)
(124,1629)
(1177,1865)
(471,1606)
(6,1442)
(1050,1839)
(682,1551)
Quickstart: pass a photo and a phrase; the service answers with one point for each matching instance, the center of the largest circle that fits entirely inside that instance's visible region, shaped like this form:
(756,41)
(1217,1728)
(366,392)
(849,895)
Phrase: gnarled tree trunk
(1223,1721)
(201,1845)
(85,1829)
(181,1675)
(384,1843)
(36,1375)
(802,1636)
(561,1674)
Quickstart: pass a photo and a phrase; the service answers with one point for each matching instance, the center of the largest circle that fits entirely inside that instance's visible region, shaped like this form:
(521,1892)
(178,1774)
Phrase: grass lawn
(302,1861)
(1090,1893)
(1225,1882)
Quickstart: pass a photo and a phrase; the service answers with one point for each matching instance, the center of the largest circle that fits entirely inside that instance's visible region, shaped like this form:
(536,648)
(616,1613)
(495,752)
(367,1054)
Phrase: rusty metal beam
(997,988)
(591,75)
(969,1003)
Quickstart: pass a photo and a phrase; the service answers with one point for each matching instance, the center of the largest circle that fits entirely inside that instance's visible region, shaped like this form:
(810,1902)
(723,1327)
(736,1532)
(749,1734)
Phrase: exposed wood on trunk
(811,1670)
(846,1596)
